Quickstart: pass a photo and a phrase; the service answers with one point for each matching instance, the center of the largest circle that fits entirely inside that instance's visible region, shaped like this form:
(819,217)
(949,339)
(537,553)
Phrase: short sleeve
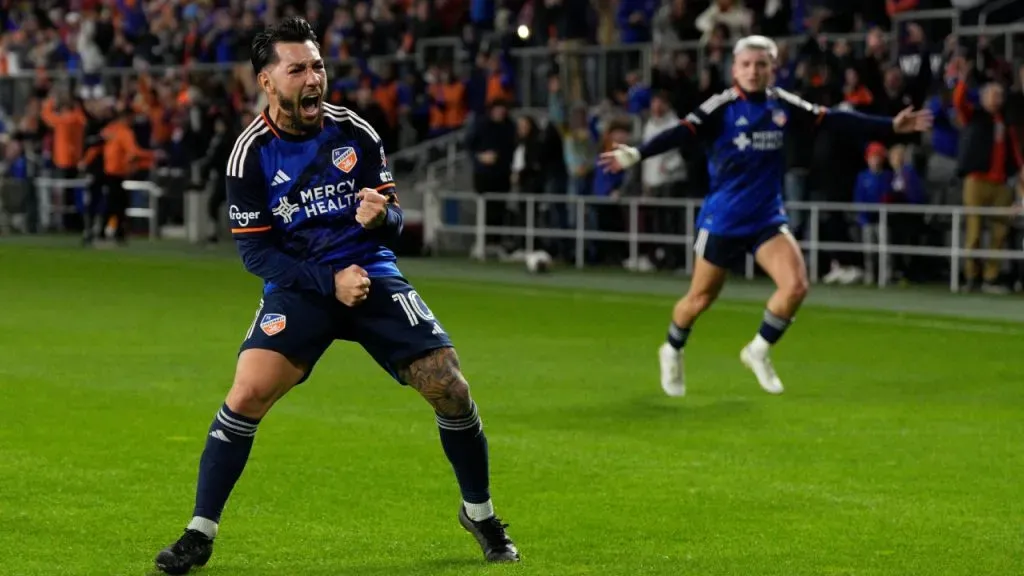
(806,111)
(706,120)
(248,207)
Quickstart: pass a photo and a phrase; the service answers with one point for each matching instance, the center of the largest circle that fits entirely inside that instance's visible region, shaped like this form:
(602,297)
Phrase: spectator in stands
(873,184)
(98,112)
(568,18)
(556,183)
(491,144)
(942,158)
(731,14)
(661,176)
(67,120)
(580,147)
(1015,105)
(675,22)
(855,93)
(448,102)
(527,177)
(556,100)
(527,162)
(121,155)
(635,18)
(904,229)
(15,189)
(990,154)
(893,98)
(370,110)
(609,217)
(873,62)
(915,63)
(211,167)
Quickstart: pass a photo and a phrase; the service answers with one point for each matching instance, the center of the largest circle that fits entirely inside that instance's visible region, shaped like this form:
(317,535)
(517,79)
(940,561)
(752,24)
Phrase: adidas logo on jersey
(742,121)
(280,178)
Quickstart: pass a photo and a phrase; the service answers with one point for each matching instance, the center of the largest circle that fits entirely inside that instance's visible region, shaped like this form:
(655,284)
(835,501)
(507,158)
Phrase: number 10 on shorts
(416,309)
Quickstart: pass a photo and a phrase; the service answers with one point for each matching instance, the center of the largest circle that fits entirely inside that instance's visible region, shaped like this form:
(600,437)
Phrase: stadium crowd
(121,87)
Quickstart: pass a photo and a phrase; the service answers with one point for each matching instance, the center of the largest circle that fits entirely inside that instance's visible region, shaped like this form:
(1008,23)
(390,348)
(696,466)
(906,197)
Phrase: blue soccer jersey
(743,135)
(292,199)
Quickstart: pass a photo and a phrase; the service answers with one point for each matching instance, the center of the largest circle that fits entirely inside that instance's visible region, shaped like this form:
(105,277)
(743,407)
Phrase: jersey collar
(756,96)
(287,136)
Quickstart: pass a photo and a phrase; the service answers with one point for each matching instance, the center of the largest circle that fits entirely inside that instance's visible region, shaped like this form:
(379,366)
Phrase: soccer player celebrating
(741,130)
(313,209)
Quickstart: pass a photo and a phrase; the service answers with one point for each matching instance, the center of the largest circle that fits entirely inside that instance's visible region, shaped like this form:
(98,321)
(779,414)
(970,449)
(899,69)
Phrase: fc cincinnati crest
(344,159)
(273,323)
(779,117)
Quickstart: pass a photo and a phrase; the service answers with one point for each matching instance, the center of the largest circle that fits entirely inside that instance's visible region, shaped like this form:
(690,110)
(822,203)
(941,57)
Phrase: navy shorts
(726,251)
(393,324)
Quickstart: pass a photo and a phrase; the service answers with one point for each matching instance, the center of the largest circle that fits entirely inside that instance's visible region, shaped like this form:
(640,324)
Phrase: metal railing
(50,195)
(434,226)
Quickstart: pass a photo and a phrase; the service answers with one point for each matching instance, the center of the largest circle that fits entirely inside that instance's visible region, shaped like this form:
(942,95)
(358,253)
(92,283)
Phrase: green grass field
(896,449)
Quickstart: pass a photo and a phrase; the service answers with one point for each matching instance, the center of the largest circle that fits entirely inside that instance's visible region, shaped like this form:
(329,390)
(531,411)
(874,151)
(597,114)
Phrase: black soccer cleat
(491,535)
(192,549)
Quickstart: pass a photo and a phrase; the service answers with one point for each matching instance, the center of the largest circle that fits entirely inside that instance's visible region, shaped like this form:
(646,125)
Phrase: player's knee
(459,401)
(798,288)
(698,302)
(254,397)
(438,378)
(261,378)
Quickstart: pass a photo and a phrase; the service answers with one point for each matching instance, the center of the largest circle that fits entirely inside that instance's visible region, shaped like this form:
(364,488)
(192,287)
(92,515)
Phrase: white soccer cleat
(672,380)
(761,365)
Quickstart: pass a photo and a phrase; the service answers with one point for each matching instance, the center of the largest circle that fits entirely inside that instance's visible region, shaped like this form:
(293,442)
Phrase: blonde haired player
(742,132)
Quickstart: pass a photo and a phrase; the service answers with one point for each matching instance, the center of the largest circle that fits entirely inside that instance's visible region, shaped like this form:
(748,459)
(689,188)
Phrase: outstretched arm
(855,122)
(908,120)
(699,125)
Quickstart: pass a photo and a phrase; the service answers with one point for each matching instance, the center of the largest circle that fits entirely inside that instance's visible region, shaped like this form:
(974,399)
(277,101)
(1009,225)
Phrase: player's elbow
(253,252)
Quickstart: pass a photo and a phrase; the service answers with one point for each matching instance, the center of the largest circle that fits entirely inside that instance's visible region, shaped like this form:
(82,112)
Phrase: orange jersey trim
(250,230)
(269,124)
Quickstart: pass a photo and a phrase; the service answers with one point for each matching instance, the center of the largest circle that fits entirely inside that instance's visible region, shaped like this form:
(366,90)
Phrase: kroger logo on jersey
(243,219)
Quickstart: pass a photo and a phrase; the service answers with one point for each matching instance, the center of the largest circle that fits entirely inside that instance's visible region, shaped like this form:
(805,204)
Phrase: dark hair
(291,30)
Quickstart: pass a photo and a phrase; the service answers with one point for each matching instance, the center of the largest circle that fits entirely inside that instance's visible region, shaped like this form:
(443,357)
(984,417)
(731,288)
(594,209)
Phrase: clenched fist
(373,208)
(351,285)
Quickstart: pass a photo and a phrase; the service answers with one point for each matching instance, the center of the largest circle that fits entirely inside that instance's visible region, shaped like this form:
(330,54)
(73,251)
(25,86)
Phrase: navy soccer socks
(771,330)
(465,445)
(227,449)
(677,336)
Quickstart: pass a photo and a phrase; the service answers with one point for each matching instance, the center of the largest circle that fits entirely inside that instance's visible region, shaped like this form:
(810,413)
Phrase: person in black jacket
(98,113)
(213,166)
(491,144)
(989,155)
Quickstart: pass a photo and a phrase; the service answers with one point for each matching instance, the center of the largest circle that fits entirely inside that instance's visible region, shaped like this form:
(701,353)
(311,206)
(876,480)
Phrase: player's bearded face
(299,85)
(752,70)
(305,107)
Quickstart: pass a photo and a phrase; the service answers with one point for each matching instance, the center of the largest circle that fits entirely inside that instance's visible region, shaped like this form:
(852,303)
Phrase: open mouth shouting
(309,106)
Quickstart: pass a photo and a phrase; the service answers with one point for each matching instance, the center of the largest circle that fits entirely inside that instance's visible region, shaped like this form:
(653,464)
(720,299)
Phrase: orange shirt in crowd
(68,133)
(121,153)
